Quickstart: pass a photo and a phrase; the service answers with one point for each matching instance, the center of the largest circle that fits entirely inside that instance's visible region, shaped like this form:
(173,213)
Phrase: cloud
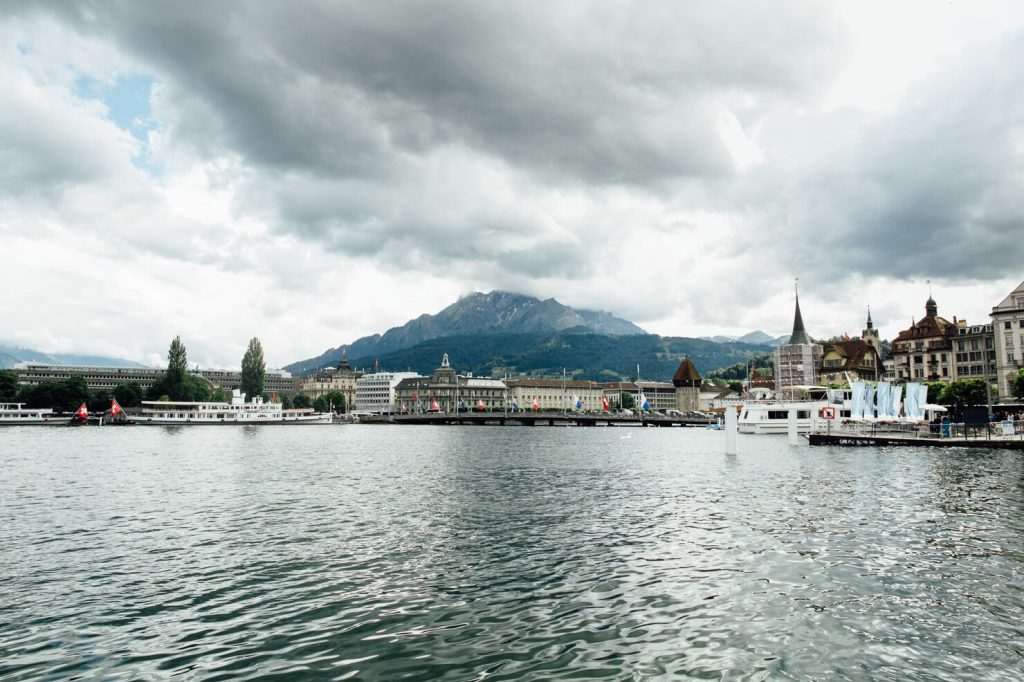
(677,164)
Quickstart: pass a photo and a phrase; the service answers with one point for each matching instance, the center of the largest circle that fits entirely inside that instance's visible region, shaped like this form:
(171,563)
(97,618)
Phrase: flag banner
(536,405)
(604,402)
(115,409)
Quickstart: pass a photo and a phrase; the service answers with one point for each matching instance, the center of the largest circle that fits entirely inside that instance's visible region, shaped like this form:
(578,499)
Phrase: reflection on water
(376,552)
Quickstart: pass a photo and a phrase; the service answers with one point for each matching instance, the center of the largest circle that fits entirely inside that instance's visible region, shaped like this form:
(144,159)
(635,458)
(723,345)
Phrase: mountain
(498,312)
(600,357)
(11,355)
(755,337)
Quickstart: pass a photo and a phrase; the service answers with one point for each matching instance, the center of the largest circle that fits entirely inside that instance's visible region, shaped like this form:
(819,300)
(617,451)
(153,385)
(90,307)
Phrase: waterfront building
(856,359)
(661,395)
(974,353)
(377,393)
(341,379)
(923,352)
(797,361)
(108,378)
(687,382)
(554,394)
(450,391)
(1008,341)
(614,390)
(716,397)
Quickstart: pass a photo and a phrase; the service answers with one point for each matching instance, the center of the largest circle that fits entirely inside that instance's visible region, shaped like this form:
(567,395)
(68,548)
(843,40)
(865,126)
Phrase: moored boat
(238,411)
(16,414)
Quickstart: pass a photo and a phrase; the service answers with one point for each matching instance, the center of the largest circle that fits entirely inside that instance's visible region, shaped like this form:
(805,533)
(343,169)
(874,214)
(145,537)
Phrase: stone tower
(870,335)
(687,382)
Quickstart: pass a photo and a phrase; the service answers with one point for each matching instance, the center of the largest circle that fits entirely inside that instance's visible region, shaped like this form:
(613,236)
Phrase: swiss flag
(115,409)
(604,402)
(536,405)
(82,412)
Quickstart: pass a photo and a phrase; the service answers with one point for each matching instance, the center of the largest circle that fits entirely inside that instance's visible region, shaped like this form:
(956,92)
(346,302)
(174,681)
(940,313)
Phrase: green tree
(301,401)
(177,362)
(63,396)
(336,401)
(219,395)
(8,385)
(128,394)
(1018,385)
(254,369)
(964,392)
(627,400)
(286,402)
(321,404)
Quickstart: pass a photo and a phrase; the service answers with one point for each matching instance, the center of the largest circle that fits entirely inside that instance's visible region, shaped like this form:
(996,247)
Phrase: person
(946,433)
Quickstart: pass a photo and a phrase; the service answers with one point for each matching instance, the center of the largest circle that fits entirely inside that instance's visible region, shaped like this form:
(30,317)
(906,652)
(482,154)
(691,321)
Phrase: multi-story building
(449,391)
(856,359)
(1008,341)
(797,361)
(341,379)
(376,393)
(107,378)
(924,351)
(974,353)
(661,395)
(554,394)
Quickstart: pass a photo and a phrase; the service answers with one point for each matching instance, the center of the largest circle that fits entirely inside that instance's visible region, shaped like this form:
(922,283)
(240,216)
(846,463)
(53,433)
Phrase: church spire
(799,335)
(870,323)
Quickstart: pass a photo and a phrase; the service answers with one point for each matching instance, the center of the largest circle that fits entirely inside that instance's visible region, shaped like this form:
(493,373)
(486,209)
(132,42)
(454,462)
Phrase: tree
(321,404)
(1018,385)
(62,396)
(628,401)
(219,395)
(964,392)
(301,401)
(8,385)
(286,402)
(128,394)
(335,401)
(177,362)
(254,369)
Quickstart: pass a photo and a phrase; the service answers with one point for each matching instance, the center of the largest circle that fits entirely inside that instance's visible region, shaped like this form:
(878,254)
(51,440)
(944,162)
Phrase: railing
(948,430)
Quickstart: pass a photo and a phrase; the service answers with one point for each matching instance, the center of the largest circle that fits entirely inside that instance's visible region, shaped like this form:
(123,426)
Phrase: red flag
(434,406)
(115,409)
(604,402)
(82,412)
(414,395)
(536,405)
(480,404)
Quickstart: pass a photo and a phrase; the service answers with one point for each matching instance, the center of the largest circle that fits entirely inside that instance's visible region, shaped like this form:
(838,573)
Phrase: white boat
(236,412)
(771,415)
(16,414)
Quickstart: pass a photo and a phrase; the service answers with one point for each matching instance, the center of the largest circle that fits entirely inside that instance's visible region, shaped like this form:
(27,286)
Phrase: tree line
(175,384)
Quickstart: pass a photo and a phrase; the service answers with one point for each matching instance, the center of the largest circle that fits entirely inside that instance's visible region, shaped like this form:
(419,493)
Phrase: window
(1006,325)
(960,344)
(945,372)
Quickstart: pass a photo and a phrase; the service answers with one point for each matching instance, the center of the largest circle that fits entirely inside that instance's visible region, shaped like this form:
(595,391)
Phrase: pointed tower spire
(799,335)
(870,324)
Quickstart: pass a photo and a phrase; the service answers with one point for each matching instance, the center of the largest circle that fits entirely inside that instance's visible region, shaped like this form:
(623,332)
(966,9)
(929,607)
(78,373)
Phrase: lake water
(381,552)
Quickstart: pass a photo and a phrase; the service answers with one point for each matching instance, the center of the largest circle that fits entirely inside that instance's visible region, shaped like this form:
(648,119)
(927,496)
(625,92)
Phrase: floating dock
(855,440)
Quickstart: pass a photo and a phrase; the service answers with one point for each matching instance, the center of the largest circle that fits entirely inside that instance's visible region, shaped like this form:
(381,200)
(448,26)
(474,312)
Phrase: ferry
(766,414)
(16,414)
(238,411)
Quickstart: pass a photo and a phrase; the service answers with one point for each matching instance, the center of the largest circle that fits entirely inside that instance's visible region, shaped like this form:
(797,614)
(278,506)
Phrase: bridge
(535,419)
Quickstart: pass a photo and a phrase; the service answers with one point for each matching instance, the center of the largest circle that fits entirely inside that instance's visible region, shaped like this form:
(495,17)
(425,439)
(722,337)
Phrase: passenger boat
(16,414)
(768,414)
(238,411)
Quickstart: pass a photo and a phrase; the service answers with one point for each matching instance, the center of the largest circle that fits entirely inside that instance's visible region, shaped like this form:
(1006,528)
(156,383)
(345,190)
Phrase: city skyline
(314,173)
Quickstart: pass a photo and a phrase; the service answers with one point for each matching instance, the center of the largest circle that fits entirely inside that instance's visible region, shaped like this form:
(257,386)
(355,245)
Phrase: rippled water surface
(381,552)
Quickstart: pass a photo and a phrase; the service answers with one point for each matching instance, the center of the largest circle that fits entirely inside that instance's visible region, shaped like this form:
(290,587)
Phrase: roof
(799,335)
(686,374)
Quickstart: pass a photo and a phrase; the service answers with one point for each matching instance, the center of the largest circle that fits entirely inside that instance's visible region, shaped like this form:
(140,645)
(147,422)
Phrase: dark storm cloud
(611,93)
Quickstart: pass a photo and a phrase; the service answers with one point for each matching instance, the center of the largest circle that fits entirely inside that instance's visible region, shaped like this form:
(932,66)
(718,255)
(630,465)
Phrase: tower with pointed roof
(871,336)
(797,361)
(687,382)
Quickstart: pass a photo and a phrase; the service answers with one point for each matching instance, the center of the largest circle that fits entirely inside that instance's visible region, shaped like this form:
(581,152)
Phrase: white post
(794,437)
(730,430)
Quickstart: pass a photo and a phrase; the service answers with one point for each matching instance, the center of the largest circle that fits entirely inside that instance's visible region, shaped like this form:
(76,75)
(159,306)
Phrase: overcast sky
(312,172)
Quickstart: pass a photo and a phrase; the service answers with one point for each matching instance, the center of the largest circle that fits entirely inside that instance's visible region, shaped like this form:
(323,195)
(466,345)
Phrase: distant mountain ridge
(497,312)
(584,355)
(12,355)
(755,337)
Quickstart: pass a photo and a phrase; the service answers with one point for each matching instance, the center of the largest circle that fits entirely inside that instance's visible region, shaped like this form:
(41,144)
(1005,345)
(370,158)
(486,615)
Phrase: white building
(797,362)
(375,393)
(1008,332)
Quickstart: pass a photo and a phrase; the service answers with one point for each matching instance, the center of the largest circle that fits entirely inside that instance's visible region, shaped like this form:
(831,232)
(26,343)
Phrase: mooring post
(794,437)
(730,430)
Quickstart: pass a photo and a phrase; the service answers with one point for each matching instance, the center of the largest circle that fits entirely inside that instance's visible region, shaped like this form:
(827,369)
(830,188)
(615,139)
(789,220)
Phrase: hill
(600,357)
(477,314)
